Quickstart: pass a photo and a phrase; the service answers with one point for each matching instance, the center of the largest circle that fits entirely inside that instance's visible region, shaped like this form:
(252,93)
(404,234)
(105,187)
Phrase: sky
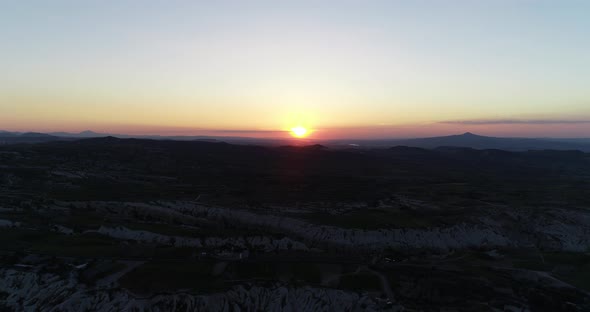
(340,68)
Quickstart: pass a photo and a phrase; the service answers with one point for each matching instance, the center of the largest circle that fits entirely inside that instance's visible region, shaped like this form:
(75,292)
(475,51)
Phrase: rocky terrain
(139,225)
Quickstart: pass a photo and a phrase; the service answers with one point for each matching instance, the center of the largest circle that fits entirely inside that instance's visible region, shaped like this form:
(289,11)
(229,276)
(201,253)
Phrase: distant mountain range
(25,137)
(468,140)
(481,142)
(83,134)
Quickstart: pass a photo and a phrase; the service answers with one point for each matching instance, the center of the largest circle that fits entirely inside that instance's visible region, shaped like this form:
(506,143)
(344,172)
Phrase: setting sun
(299,132)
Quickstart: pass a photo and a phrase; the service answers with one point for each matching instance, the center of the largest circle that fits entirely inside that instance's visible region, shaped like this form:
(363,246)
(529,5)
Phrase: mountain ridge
(467,139)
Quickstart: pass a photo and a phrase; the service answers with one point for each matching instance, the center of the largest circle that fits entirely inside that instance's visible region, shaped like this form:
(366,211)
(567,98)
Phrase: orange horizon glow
(299,132)
(413,130)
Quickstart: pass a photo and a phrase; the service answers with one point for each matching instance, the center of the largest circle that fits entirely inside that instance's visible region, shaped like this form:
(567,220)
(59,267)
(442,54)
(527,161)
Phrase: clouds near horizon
(516,121)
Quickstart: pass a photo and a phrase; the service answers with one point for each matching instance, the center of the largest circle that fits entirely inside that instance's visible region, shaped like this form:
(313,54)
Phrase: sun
(299,132)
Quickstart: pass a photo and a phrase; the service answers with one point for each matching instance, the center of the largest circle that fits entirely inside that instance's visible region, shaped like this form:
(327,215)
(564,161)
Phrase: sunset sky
(257,68)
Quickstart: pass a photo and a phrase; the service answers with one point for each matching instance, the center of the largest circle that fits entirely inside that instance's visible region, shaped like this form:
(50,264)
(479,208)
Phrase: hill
(480,142)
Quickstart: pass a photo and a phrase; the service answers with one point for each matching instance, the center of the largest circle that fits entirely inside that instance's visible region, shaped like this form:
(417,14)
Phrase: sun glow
(299,132)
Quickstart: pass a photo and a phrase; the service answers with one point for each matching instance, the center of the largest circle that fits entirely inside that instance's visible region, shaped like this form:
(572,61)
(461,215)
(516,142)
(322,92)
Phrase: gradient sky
(344,68)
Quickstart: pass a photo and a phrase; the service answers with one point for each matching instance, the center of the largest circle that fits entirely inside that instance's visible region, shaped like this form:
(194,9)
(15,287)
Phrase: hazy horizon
(360,134)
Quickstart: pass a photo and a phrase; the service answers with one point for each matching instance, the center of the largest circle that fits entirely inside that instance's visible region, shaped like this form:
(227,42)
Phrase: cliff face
(30,291)
(261,243)
(252,267)
(554,229)
(414,288)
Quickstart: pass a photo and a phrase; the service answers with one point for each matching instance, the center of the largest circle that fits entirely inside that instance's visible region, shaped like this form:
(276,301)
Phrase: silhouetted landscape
(295,156)
(463,140)
(106,224)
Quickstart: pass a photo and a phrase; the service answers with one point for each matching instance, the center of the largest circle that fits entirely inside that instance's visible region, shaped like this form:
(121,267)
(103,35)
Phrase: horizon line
(96,134)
